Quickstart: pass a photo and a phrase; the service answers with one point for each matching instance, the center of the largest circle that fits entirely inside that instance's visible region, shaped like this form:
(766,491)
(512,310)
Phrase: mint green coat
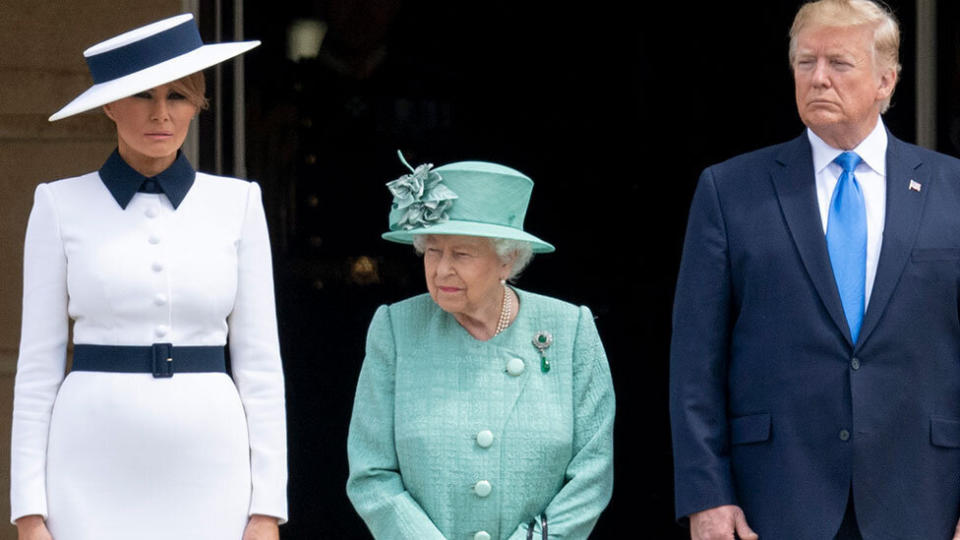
(422,462)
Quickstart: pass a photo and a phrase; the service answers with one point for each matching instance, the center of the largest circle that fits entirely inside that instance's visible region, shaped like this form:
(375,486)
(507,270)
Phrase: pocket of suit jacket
(945,432)
(935,254)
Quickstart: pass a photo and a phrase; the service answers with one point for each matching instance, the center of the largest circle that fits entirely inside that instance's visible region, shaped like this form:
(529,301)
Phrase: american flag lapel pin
(915,186)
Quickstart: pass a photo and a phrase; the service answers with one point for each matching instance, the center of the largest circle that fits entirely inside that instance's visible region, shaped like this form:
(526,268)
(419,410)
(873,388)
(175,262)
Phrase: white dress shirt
(871,174)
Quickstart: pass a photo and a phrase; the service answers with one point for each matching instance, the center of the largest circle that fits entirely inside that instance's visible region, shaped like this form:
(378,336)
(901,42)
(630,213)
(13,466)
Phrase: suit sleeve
(375,485)
(255,360)
(699,359)
(42,359)
(588,481)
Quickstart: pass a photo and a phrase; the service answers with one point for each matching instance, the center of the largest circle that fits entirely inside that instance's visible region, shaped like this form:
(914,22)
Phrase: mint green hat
(470,198)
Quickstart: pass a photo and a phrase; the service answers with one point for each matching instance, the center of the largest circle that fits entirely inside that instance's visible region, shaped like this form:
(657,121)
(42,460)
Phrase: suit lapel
(795,184)
(902,220)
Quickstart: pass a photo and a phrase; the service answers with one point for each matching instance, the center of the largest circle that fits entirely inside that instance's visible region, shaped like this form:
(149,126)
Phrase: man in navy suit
(815,361)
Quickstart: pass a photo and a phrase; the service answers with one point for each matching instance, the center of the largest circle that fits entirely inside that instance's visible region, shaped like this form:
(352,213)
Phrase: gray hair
(520,250)
(886,30)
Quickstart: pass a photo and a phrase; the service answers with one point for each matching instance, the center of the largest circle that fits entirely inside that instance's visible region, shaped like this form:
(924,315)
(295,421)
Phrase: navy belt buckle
(162,360)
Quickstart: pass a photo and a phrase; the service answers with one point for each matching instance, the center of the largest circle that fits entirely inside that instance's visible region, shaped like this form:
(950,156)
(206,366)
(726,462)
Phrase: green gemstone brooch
(541,341)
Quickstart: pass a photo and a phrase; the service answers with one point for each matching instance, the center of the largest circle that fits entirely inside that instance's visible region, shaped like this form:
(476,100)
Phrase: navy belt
(161,359)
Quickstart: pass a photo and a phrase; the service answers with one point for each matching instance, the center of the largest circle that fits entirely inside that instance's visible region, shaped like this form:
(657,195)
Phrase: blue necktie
(847,241)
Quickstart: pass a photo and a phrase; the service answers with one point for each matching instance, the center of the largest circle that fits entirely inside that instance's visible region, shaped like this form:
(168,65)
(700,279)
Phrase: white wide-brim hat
(146,57)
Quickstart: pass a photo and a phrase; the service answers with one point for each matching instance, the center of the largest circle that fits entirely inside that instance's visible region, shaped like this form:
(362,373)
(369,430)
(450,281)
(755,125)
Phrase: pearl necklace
(506,310)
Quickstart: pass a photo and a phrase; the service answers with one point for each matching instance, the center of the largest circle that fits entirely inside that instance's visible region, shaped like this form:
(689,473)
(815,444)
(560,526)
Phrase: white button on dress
(515,367)
(482,488)
(481,535)
(485,438)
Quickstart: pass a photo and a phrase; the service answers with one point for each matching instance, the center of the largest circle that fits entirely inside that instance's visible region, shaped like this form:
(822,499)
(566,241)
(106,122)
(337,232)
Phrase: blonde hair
(193,87)
(886,30)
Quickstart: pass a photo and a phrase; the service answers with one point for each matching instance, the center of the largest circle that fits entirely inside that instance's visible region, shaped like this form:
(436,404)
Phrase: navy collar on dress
(123,181)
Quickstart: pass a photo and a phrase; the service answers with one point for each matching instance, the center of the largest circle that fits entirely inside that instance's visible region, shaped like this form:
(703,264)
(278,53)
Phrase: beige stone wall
(41,69)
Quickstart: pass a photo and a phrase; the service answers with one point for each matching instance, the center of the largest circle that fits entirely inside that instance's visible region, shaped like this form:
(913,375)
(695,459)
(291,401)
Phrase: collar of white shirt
(872,150)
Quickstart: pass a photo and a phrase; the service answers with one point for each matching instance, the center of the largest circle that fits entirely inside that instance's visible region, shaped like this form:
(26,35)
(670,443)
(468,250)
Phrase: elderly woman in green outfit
(482,411)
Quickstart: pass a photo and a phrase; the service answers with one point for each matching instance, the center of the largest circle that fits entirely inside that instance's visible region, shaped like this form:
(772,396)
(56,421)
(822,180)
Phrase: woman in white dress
(156,264)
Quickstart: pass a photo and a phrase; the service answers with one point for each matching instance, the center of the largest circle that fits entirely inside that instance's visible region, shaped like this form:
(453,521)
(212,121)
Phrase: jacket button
(482,488)
(515,367)
(855,364)
(482,535)
(844,435)
(485,438)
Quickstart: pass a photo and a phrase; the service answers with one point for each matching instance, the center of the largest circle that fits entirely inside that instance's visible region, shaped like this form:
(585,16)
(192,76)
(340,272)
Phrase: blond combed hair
(886,29)
(193,87)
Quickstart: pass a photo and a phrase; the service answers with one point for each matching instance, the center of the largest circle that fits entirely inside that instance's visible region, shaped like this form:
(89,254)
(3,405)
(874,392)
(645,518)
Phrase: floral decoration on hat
(422,196)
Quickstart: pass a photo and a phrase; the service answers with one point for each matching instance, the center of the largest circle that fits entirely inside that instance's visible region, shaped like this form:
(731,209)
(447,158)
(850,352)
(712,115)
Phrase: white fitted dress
(125,455)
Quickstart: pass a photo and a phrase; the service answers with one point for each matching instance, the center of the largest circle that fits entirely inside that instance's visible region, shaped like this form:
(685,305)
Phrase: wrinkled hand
(261,528)
(32,528)
(721,522)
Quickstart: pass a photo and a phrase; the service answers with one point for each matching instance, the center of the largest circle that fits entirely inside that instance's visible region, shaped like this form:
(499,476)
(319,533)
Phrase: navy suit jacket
(773,407)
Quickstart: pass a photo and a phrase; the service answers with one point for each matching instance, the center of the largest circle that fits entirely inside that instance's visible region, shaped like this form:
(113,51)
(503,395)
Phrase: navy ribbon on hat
(146,52)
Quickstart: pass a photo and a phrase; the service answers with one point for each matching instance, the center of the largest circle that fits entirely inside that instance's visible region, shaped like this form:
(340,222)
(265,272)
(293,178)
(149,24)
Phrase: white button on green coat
(482,488)
(482,535)
(515,367)
(485,438)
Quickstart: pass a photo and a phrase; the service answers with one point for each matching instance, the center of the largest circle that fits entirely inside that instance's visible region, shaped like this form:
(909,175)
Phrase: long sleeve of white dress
(255,359)
(41,364)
